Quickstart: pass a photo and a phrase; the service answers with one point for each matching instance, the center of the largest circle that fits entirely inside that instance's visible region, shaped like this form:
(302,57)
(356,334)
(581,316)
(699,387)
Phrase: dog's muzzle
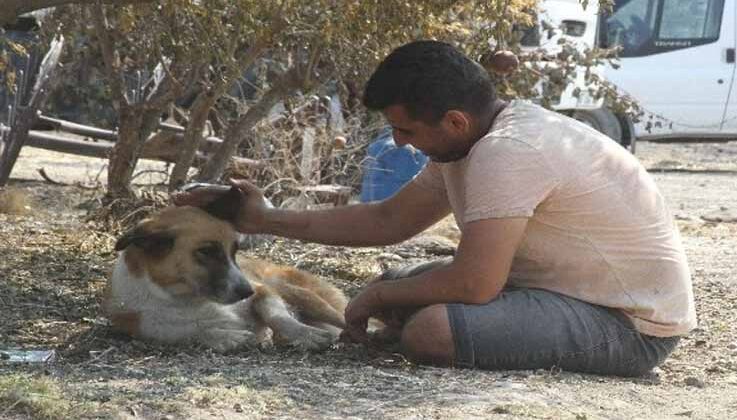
(236,286)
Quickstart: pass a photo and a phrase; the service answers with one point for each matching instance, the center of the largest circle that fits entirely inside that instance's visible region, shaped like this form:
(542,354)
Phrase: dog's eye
(210,252)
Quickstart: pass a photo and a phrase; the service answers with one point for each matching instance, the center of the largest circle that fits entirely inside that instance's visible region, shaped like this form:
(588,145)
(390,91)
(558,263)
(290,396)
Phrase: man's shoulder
(519,123)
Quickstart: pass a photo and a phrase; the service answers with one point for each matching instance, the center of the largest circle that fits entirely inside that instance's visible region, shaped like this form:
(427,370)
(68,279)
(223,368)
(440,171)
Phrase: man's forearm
(477,274)
(354,225)
(447,284)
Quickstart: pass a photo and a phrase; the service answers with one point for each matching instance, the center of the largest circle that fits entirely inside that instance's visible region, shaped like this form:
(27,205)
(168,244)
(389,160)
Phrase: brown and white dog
(177,280)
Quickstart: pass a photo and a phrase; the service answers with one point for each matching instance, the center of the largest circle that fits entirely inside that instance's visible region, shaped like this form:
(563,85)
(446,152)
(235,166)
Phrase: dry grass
(53,279)
(14,201)
(54,266)
(35,397)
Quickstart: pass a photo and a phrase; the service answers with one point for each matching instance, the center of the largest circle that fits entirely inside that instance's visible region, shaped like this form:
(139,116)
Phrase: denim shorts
(524,328)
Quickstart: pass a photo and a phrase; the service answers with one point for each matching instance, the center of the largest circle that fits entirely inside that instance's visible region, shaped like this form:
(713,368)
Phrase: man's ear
(457,121)
(155,243)
(227,206)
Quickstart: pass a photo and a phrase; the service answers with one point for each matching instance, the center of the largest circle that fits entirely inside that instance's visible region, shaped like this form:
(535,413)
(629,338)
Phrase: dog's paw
(311,338)
(223,341)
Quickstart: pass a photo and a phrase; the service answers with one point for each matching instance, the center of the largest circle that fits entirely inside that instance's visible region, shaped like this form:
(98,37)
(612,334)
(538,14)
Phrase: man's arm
(477,274)
(410,211)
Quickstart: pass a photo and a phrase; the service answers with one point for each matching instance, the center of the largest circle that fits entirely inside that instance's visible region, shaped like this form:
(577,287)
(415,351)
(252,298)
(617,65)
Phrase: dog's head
(188,253)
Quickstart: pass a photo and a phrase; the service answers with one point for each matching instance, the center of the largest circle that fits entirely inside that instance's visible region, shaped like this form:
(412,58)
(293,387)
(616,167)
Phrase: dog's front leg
(273,311)
(225,340)
(222,329)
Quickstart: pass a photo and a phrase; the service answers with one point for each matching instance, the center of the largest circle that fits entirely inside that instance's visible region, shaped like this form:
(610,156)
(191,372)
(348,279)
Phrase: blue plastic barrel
(388,167)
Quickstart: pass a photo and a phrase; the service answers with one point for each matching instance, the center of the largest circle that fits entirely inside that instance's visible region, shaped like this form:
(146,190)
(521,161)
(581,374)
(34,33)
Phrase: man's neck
(487,121)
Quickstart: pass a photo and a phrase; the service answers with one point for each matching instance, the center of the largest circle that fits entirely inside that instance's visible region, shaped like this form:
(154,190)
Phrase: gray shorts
(538,329)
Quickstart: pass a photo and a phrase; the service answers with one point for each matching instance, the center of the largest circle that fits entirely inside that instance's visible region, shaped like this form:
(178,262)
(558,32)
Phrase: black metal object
(26,112)
(24,33)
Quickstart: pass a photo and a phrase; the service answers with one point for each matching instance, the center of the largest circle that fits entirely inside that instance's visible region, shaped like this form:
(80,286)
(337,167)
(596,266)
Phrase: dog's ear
(227,206)
(154,243)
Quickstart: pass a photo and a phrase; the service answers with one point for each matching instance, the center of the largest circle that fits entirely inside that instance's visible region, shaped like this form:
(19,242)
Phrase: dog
(177,279)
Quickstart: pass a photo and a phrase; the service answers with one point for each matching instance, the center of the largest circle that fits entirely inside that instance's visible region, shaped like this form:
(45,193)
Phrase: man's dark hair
(429,78)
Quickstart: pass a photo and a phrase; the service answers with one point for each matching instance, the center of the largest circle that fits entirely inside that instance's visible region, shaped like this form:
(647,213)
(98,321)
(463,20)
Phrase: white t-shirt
(599,230)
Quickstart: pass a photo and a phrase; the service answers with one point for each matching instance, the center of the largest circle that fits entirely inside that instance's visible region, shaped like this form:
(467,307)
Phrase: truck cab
(676,59)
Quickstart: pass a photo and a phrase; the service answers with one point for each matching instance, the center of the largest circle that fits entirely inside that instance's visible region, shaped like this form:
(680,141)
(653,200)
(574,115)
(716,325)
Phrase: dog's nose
(243,291)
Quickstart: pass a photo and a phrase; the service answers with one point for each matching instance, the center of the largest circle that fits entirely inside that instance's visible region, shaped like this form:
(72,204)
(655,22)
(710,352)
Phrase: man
(568,258)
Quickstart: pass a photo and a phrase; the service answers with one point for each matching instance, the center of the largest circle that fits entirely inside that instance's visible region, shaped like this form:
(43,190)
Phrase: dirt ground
(53,265)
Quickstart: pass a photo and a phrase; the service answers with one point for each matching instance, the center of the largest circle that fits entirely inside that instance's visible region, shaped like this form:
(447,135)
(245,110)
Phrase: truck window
(689,19)
(646,27)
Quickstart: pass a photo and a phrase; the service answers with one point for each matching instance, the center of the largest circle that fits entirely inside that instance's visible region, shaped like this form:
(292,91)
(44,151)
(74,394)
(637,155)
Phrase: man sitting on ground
(568,257)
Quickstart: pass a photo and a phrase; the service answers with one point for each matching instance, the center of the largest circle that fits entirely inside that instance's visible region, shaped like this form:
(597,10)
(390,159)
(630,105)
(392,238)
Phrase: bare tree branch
(109,56)
(11,9)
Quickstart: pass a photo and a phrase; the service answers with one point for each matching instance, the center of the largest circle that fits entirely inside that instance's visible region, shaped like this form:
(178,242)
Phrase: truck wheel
(602,121)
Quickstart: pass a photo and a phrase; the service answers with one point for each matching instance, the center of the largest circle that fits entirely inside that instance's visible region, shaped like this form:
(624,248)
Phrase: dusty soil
(53,265)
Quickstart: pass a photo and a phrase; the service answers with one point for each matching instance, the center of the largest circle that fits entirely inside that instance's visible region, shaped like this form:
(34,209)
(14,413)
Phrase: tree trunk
(216,166)
(202,107)
(124,156)
(192,137)
(137,122)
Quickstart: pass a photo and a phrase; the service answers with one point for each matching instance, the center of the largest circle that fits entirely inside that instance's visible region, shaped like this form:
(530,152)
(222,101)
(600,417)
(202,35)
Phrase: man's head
(432,87)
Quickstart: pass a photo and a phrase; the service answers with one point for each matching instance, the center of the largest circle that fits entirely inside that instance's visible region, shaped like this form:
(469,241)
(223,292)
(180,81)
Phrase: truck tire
(603,121)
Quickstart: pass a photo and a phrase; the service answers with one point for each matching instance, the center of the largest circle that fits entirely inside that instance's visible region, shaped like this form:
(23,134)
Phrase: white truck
(677,60)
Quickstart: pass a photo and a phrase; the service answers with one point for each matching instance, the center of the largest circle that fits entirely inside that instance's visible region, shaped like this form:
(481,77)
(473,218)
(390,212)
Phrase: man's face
(441,142)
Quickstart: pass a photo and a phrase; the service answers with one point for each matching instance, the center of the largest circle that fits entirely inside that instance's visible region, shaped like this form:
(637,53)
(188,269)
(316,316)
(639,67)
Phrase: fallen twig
(150,171)
(47,178)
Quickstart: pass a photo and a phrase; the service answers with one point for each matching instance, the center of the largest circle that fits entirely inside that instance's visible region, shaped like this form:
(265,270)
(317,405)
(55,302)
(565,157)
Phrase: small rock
(721,216)
(389,257)
(339,142)
(500,410)
(695,382)
(238,408)
(652,378)
(688,413)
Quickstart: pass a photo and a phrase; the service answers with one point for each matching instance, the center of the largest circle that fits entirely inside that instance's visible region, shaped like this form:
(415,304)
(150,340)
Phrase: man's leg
(427,337)
(395,319)
(527,329)
(533,329)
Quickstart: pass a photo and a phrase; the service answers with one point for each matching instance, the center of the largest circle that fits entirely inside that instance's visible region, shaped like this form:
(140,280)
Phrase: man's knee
(427,338)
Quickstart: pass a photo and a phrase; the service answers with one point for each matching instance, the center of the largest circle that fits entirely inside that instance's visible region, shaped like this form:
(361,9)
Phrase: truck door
(729,121)
(677,60)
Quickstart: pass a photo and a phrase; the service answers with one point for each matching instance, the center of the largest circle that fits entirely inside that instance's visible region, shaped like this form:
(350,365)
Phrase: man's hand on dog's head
(199,195)
(249,217)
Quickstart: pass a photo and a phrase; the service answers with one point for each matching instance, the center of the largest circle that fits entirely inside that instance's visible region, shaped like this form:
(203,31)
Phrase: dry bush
(14,201)
(336,157)
(121,215)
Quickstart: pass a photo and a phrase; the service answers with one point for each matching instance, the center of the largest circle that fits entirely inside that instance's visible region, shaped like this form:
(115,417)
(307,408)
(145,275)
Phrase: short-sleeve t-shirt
(598,228)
